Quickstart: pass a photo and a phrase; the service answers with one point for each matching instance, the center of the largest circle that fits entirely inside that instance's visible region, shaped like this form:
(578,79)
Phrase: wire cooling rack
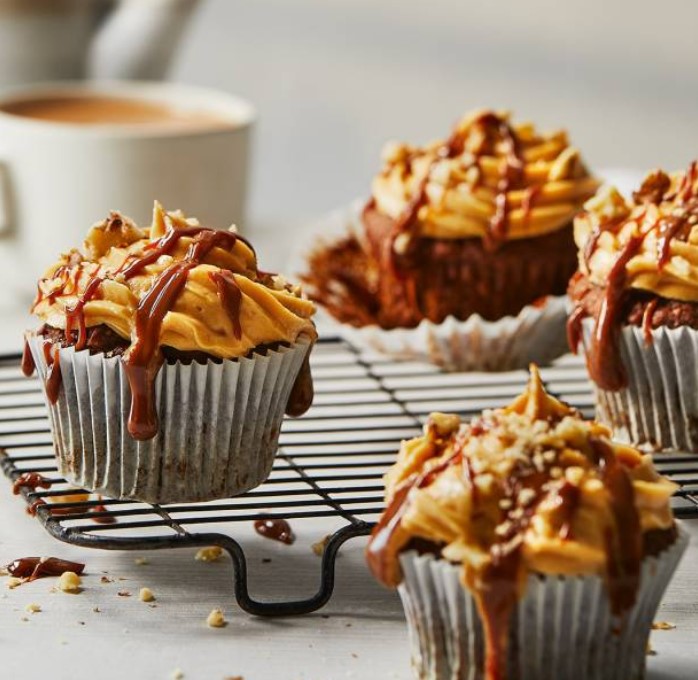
(329,466)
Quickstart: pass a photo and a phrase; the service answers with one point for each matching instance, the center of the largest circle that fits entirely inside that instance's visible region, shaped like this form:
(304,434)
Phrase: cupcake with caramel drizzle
(478,224)
(636,308)
(182,318)
(521,537)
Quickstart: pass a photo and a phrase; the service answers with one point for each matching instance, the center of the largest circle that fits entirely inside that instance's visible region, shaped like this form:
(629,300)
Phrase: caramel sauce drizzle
(30,480)
(28,366)
(276,529)
(230,297)
(647,316)
(32,568)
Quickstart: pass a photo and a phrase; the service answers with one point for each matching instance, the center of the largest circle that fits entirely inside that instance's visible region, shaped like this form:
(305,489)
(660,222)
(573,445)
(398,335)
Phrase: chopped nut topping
(146,595)
(216,619)
(210,554)
(69,582)
(401,243)
(505,503)
(663,625)
(319,547)
(526,496)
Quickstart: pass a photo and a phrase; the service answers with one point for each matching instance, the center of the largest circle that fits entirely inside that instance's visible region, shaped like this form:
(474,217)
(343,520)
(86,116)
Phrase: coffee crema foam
(96,109)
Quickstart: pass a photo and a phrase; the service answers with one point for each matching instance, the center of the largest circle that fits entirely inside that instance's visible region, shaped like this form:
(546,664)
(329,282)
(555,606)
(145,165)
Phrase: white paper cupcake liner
(658,410)
(537,334)
(562,628)
(219,424)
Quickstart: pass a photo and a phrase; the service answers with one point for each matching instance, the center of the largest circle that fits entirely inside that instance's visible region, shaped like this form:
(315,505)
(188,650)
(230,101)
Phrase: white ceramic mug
(57,179)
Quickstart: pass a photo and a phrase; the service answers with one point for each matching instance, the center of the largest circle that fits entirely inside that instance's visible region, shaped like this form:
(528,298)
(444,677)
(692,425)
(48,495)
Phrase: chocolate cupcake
(525,545)
(459,233)
(168,360)
(636,309)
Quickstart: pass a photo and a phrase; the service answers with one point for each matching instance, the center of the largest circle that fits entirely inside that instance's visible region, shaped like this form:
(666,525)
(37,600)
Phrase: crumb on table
(216,619)
(211,553)
(69,582)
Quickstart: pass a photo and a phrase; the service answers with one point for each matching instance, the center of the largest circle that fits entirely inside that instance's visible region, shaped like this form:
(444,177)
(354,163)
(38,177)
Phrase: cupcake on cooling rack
(526,544)
(168,360)
(636,309)
(464,251)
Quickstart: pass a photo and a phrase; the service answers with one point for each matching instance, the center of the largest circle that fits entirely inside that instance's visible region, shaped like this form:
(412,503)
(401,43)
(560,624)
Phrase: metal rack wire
(329,465)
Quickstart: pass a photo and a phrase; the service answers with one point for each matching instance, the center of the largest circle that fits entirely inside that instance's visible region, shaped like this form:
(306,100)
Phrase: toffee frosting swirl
(491,179)
(120,262)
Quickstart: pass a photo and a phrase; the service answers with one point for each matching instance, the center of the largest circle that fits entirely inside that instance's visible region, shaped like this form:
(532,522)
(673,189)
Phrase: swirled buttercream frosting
(174,284)
(530,488)
(491,178)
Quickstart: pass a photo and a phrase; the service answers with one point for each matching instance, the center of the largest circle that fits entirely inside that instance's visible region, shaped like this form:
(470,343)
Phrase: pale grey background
(333,79)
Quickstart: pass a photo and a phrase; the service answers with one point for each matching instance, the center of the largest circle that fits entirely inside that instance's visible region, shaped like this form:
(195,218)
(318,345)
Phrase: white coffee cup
(57,179)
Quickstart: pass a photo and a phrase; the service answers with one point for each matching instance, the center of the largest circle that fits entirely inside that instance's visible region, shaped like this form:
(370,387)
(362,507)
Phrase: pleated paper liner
(658,410)
(536,334)
(562,628)
(219,424)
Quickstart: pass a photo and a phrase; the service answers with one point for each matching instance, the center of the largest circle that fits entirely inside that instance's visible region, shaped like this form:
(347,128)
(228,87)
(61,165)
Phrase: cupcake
(526,544)
(168,360)
(464,249)
(635,312)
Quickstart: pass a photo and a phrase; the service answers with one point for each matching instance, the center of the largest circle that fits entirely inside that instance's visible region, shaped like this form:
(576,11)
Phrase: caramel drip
(302,392)
(53,371)
(276,529)
(105,519)
(647,320)
(670,228)
(510,177)
(603,358)
(76,314)
(28,366)
(34,507)
(230,296)
(574,328)
(529,199)
(496,599)
(32,568)
(624,540)
(568,496)
(30,480)
(143,359)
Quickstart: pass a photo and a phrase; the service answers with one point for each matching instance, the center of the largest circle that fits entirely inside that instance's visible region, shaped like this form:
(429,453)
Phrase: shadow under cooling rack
(329,465)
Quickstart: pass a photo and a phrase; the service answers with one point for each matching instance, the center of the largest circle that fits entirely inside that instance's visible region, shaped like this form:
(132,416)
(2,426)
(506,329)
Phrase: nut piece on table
(216,619)
(13,582)
(210,554)
(32,608)
(69,582)
(146,595)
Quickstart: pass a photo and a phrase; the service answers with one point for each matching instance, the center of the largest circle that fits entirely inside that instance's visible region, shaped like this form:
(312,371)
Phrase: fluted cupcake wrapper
(561,629)
(537,334)
(219,424)
(658,410)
